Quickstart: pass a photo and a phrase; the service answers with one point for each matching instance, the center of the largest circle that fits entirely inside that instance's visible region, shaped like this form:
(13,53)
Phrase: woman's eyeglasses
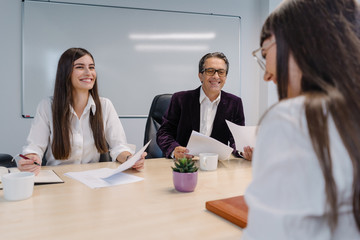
(260,59)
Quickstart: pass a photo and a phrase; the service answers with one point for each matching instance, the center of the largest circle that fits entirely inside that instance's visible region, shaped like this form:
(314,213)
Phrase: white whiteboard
(138,53)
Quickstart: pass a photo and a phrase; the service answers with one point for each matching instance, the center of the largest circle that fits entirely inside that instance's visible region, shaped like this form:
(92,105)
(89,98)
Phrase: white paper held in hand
(199,143)
(129,163)
(243,135)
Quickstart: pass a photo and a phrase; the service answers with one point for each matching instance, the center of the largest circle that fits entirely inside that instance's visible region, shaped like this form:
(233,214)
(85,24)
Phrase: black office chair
(157,110)
(5,160)
(105,157)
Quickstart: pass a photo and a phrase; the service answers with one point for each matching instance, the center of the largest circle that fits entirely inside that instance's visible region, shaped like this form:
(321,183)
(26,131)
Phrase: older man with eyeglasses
(203,109)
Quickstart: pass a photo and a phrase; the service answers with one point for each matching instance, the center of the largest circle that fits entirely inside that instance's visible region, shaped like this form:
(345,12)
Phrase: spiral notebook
(233,209)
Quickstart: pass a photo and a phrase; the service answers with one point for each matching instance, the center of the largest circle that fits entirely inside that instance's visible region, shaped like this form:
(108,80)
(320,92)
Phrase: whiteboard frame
(232,68)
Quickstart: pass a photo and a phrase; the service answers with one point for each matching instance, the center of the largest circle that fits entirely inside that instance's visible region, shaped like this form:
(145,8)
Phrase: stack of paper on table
(233,209)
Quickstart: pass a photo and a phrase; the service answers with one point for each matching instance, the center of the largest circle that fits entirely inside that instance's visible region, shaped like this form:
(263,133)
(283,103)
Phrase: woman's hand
(139,164)
(28,165)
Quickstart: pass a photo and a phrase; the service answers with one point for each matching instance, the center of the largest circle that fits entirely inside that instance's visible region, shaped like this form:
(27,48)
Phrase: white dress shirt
(207,112)
(83,149)
(287,198)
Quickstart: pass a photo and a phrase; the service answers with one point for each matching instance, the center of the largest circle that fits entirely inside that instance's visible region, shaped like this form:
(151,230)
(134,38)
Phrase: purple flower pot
(185,182)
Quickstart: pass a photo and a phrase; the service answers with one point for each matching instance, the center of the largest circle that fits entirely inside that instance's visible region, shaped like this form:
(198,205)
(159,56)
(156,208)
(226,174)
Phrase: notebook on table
(233,209)
(44,176)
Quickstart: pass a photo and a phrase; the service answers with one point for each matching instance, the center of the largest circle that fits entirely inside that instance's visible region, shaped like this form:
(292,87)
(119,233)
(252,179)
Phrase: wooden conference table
(149,209)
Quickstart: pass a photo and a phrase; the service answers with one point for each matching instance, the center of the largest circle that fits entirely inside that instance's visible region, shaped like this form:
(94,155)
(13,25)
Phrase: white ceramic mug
(208,161)
(18,185)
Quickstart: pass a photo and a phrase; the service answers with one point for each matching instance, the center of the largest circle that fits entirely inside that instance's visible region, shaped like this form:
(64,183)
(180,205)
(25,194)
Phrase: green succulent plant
(184,165)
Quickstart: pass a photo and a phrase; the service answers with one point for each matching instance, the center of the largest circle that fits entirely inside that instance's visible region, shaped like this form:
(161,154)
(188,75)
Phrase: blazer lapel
(196,110)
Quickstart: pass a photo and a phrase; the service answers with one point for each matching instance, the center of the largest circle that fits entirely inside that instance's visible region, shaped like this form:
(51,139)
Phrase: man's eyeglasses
(260,59)
(212,71)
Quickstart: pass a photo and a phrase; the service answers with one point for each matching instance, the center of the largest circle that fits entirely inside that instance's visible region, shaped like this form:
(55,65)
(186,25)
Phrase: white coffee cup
(18,185)
(208,161)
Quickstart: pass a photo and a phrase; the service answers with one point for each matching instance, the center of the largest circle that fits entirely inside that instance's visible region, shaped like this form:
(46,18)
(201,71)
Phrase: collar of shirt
(90,105)
(203,97)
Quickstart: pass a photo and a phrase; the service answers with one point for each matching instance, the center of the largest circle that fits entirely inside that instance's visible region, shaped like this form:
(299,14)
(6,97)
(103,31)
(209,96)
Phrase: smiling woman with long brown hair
(75,125)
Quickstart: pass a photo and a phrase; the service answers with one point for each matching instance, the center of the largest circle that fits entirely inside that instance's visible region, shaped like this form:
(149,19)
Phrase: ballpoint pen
(28,159)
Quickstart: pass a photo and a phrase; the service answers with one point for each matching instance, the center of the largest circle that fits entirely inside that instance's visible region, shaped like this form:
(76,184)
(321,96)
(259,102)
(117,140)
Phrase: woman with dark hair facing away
(306,163)
(75,125)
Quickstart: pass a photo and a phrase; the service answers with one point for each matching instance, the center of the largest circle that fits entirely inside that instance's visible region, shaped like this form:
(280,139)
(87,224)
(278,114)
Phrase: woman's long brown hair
(62,100)
(323,37)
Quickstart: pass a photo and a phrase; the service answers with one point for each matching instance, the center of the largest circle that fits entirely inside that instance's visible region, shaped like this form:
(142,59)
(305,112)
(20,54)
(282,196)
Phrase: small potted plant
(185,175)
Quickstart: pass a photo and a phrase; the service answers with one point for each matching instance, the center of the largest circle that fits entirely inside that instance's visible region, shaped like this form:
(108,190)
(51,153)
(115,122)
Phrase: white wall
(272,96)
(255,94)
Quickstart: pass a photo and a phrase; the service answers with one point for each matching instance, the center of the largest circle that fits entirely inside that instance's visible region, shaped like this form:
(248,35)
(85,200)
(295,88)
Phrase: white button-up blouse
(287,198)
(83,149)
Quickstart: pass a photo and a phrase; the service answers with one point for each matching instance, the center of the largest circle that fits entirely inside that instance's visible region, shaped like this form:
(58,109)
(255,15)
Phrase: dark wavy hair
(211,55)
(62,99)
(323,37)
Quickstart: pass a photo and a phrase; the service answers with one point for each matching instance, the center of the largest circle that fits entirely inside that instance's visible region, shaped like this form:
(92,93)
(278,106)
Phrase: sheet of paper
(3,171)
(129,163)
(199,143)
(93,178)
(105,177)
(243,135)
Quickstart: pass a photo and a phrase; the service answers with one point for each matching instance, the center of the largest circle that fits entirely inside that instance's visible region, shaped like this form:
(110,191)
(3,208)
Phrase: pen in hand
(28,159)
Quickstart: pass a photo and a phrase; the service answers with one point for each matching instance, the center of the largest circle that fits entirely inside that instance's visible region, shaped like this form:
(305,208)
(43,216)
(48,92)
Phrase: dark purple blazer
(183,116)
